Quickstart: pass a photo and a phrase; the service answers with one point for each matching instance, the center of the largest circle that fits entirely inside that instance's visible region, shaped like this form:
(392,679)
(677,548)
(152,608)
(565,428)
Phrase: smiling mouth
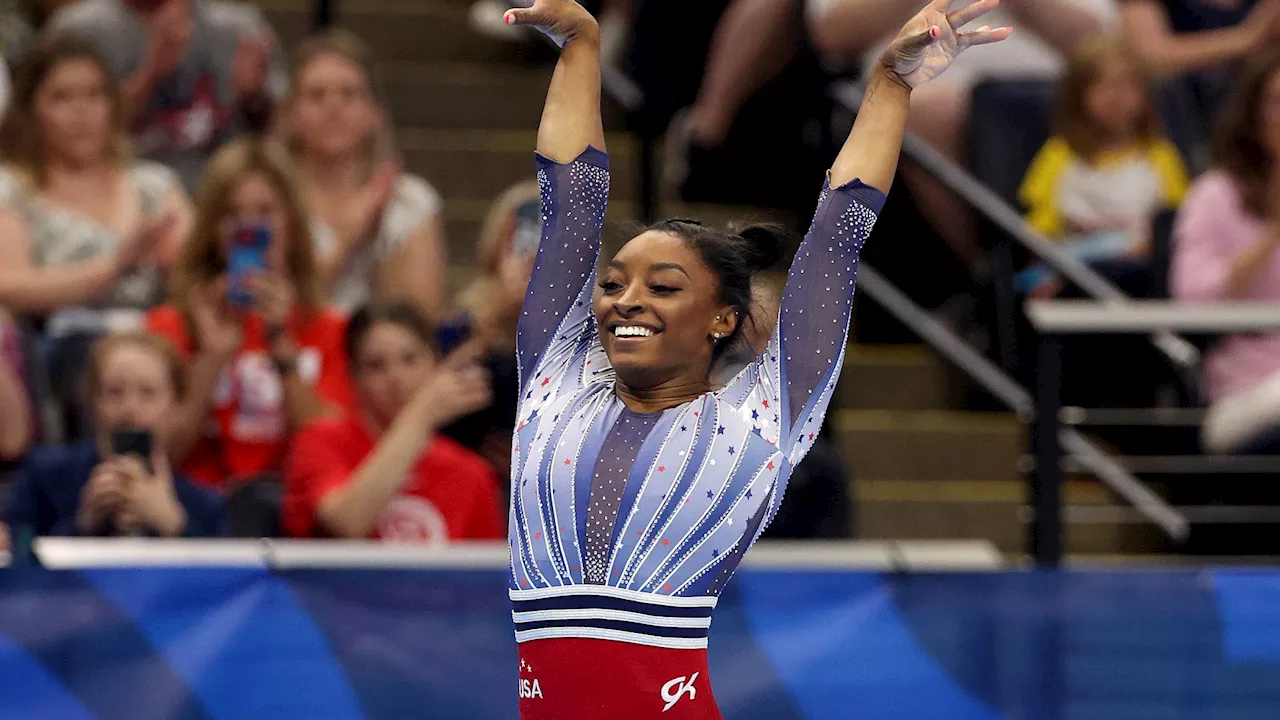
(632,332)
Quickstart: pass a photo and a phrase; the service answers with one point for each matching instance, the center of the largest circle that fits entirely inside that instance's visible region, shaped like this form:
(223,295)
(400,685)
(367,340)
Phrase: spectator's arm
(178,205)
(1063,25)
(1146,27)
(25,288)
(350,508)
(417,269)
(15,405)
(136,89)
(202,376)
(301,402)
(850,27)
(1039,190)
(1172,171)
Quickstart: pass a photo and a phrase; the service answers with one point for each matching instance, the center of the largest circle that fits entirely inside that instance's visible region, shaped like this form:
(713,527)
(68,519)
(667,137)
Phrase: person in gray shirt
(194,72)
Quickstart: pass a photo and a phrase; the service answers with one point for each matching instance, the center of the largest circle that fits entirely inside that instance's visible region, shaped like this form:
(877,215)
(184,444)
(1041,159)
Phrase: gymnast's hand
(561,20)
(931,41)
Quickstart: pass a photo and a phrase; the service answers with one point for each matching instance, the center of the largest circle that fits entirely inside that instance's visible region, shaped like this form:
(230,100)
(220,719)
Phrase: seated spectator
(86,233)
(490,307)
(135,382)
(378,230)
(17,422)
(1225,249)
(82,225)
(5,540)
(384,472)
(193,71)
(1194,44)
(264,353)
(1097,184)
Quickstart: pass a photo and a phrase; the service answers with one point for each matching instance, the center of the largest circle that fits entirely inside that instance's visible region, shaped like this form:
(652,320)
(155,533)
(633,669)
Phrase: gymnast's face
(657,309)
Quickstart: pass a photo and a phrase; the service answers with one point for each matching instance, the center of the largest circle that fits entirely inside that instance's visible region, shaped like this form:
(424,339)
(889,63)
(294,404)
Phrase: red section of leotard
(581,679)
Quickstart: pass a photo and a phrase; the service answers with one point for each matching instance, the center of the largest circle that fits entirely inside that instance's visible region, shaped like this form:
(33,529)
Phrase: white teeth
(632,331)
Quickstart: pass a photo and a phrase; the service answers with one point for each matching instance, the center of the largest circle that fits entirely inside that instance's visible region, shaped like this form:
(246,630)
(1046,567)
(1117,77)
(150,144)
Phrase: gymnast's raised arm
(573,174)
(808,343)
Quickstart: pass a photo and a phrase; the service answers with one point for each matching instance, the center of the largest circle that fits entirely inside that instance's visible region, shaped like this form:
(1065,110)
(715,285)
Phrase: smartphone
(133,442)
(247,256)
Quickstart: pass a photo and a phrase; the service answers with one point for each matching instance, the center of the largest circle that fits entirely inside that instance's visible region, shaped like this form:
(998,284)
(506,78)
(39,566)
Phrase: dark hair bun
(764,245)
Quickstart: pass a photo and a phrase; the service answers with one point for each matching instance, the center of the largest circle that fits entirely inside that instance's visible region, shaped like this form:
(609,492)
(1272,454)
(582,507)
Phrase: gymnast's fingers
(963,16)
(984,36)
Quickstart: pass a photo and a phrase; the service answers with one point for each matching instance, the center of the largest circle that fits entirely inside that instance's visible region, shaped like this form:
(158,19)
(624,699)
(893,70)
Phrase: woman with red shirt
(384,472)
(267,358)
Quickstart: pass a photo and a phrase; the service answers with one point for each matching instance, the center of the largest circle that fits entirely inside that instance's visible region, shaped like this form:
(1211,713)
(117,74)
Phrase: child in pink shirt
(1225,249)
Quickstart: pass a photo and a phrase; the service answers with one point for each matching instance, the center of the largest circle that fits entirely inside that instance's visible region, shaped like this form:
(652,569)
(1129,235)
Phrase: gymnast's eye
(610,286)
(662,289)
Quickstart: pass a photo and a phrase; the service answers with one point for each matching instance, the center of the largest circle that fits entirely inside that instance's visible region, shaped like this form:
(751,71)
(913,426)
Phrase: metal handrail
(1004,388)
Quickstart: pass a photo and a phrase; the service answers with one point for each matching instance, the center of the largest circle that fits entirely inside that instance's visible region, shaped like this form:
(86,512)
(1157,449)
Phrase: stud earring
(717,335)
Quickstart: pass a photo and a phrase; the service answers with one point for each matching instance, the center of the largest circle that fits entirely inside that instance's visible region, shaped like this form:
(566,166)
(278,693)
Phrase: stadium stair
(923,470)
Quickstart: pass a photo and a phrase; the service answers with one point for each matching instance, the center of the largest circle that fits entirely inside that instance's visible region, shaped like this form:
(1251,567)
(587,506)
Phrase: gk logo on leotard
(676,689)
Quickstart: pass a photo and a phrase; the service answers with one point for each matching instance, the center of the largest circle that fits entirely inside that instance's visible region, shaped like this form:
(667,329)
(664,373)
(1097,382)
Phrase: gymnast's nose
(627,309)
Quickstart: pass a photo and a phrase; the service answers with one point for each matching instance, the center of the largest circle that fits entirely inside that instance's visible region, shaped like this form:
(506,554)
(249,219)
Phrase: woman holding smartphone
(120,482)
(264,353)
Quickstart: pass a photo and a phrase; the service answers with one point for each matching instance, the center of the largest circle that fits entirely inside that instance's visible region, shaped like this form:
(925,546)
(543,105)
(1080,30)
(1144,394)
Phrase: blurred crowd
(223,299)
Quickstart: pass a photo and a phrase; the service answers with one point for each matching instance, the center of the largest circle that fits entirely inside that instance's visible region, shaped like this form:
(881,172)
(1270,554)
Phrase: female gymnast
(637,487)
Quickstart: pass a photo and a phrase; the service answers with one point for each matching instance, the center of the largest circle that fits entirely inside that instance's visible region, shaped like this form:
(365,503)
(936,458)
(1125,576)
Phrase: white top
(413,202)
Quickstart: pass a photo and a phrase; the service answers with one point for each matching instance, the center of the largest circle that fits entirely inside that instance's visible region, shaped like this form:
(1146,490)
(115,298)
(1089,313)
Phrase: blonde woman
(264,352)
(378,230)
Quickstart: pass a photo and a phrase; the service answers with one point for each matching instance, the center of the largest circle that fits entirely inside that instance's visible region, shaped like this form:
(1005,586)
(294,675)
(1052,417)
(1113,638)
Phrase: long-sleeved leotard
(626,525)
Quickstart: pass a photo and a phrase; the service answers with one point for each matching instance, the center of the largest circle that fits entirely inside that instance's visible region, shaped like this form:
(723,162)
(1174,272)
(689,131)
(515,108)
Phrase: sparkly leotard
(625,525)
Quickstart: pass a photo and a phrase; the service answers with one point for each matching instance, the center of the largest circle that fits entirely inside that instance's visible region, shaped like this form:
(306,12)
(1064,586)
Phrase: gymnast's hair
(735,255)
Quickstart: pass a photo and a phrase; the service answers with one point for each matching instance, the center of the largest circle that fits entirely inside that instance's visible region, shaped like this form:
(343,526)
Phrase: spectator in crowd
(379,231)
(384,472)
(193,72)
(1194,45)
(1098,182)
(83,225)
(17,426)
(135,382)
(1226,239)
(86,232)
(845,30)
(490,307)
(264,353)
